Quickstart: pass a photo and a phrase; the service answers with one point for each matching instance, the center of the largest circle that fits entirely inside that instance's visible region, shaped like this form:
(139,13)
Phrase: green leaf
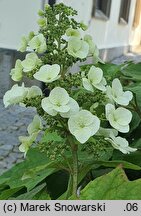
(30,195)
(132,71)
(42,195)
(136,88)
(30,172)
(112,186)
(9,192)
(135,122)
(115,163)
(111,70)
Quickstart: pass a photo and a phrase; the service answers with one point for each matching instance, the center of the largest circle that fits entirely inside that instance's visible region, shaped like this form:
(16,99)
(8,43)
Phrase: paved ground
(14,121)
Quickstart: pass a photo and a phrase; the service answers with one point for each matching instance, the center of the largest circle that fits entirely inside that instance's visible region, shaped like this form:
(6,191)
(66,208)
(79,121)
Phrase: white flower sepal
(24,42)
(116,93)
(73,32)
(15,95)
(26,142)
(16,73)
(38,43)
(31,62)
(121,144)
(48,73)
(59,102)
(74,108)
(95,80)
(35,126)
(83,125)
(77,47)
(33,130)
(34,91)
(118,118)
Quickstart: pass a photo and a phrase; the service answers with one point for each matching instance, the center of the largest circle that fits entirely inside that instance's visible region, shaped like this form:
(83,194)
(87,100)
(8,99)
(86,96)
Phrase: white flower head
(121,144)
(48,73)
(16,73)
(116,93)
(23,44)
(73,32)
(89,40)
(59,102)
(35,126)
(34,91)
(26,142)
(15,95)
(38,43)
(31,62)
(77,48)
(95,80)
(118,118)
(83,125)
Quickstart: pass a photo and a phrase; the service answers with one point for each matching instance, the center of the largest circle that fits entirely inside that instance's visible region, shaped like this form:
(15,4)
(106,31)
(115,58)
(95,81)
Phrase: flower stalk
(74,172)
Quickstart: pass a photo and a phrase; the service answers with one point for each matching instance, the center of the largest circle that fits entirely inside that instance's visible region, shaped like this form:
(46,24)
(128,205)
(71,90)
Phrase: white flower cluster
(118,117)
(17,94)
(81,123)
(79,47)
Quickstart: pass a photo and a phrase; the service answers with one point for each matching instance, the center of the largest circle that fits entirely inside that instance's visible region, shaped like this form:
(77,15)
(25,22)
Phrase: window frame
(124,12)
(104,11)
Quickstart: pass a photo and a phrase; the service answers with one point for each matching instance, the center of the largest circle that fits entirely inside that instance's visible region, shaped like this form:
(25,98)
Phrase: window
(101,9)
(124,11)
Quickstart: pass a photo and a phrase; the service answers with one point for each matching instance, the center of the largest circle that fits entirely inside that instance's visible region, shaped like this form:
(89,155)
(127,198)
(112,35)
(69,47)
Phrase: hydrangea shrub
(88,112)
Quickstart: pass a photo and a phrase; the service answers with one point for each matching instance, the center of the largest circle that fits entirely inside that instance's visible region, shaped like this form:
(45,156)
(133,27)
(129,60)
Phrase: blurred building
(114,24)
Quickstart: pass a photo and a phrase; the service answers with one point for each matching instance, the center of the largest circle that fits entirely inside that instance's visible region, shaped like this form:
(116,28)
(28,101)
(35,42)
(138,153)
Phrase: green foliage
(132,71)
(112,186)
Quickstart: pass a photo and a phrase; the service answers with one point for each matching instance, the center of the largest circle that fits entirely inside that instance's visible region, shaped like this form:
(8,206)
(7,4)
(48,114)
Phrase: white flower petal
(15,95)
(83,134)
(59,96)
(74,108)
(95,75)
(48,73)
(35,125)
(87,85)
(94,127)
(83,125)
(34,91)
(77,47)
(48,107)
(109,108)
(123,116)
(61,109)
(121,144)
(117,87)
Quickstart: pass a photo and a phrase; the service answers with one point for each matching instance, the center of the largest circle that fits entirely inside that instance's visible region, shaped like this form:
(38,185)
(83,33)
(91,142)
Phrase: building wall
(17,18)
(112,38)
(110,33)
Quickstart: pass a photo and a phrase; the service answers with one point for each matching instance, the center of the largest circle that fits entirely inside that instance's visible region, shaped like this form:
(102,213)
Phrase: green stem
(74,172)
(75,169)
(69,189)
